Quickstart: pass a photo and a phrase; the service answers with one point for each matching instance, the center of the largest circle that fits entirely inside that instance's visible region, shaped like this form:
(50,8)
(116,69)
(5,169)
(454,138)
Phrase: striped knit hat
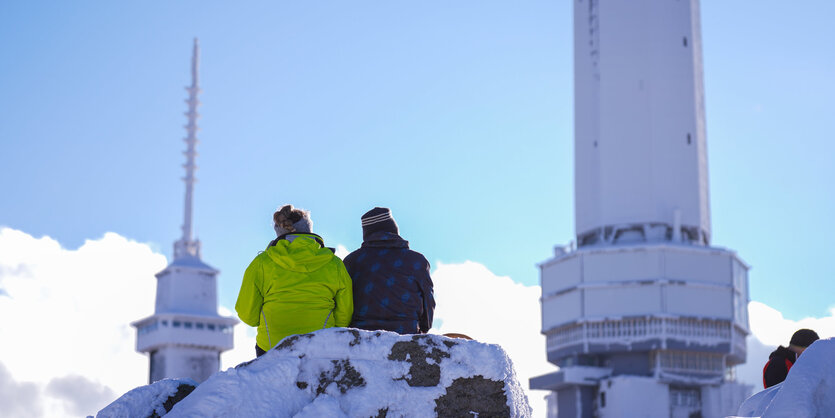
(376,220)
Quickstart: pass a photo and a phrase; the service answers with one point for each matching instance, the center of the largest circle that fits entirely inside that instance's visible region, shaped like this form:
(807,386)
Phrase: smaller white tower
(185,335)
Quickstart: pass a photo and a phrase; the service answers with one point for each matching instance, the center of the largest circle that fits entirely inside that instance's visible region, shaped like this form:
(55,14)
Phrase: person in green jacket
(296,285)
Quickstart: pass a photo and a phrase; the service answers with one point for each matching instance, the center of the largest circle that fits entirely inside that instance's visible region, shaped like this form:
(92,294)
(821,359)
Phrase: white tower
(185,335)
(643,316)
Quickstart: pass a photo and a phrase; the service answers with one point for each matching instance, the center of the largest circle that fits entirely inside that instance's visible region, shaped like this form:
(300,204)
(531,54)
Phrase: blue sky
(458,116)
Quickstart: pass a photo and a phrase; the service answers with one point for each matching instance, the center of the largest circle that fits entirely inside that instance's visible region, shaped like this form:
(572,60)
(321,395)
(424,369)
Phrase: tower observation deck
(185,335)
(641,313)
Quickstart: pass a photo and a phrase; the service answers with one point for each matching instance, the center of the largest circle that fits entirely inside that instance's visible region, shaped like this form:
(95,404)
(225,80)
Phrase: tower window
(685,41)
(211,327)
(199,325)
(187,325)
(689,141)
(177,324)
(602,399)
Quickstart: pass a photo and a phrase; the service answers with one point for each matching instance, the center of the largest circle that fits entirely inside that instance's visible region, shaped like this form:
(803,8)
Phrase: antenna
(186,246)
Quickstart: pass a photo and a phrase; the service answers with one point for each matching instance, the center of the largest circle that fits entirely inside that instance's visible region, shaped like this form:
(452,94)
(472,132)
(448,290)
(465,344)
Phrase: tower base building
(185,336)
(644,330)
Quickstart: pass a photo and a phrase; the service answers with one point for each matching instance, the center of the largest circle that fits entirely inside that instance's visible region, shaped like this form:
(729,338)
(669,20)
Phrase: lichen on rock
(343,375)
(468,396)
(421,373)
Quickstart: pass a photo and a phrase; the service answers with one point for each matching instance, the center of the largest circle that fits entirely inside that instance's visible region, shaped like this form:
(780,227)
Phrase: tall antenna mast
(186,246)
(186,290)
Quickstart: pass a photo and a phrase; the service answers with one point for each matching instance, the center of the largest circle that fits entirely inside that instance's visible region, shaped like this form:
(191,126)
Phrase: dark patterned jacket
(392,286)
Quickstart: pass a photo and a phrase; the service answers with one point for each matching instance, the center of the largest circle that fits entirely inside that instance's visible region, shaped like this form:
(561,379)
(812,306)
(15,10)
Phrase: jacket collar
(385,239)
(291,235)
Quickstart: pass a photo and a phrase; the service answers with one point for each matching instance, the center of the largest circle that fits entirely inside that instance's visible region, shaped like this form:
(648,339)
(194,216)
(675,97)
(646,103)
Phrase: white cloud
(770,327)
(494,309)
(18,399)
(73,350)
(341,251)
(65,318)
(80,395)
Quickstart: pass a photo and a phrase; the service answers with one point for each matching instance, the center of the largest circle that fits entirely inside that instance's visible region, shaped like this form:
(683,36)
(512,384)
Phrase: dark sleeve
(775,371)
(428,295)
(348,261)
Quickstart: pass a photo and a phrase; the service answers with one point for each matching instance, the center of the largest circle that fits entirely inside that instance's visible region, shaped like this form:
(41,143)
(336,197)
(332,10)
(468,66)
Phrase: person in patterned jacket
(391,284)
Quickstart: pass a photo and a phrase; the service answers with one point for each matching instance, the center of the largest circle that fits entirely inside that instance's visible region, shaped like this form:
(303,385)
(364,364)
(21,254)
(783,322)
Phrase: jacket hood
(784,353)
(303,254)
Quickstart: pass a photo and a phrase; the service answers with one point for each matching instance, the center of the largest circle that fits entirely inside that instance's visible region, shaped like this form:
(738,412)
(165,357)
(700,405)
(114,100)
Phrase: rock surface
(342,372)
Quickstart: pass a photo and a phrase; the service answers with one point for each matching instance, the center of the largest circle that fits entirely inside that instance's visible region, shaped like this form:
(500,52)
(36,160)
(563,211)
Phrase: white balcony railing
(632,330)
(209,334)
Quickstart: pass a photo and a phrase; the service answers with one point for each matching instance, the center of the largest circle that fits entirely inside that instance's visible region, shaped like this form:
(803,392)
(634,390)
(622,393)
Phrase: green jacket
(294,288)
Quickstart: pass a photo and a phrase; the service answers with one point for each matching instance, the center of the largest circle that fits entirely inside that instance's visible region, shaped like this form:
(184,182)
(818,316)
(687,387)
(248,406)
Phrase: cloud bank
(68,348)
(772,329)
(67,345)
(18,399)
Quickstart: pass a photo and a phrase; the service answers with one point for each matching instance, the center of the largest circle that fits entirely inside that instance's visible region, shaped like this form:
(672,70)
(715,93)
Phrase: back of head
(803,338)
(288,219)
(378,220)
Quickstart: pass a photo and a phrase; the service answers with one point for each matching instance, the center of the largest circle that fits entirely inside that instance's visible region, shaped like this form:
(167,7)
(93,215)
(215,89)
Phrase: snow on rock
(756,404)
(807,392)
(151,400)
(340,372)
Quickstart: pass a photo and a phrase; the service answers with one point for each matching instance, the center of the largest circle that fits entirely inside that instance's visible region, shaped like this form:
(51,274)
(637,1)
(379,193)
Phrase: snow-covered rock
(151,400)
(341,372)
(807,392)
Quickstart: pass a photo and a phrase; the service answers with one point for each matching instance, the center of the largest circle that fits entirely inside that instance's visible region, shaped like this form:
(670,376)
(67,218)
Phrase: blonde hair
(287,215)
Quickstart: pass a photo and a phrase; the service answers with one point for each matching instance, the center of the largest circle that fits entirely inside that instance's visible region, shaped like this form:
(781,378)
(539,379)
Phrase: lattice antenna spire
(186,245)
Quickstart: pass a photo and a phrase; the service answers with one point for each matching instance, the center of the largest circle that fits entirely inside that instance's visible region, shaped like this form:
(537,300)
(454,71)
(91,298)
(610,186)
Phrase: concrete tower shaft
(644,317)
(640,149)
